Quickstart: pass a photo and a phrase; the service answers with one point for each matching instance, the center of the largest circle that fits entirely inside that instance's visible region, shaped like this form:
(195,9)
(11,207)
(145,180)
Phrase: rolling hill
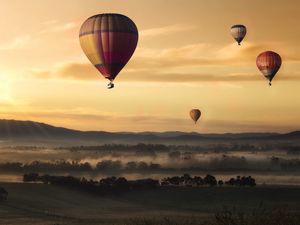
(25,132)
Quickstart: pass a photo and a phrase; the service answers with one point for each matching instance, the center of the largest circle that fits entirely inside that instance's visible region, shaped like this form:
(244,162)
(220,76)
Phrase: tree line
(108,185)
(224,163)
(118,185)
(75,166)
(208,180)
(166,148)
(121,184)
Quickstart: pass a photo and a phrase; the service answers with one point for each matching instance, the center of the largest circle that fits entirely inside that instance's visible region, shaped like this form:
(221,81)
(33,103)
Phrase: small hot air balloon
(238,32)
(268,63)
(195,114)
(108,40)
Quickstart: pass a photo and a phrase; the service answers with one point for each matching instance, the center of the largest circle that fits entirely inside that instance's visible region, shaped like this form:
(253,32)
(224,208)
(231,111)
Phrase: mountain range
(30,132)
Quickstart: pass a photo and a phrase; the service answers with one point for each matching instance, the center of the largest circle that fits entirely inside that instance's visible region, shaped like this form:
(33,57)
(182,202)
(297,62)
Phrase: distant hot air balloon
(108,40)
(238,32)
(268,63)
(195,114)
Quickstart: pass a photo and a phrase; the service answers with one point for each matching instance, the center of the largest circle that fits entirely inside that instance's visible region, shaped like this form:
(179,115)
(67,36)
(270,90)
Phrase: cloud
(64,115)
(49,22)
(201,54)
(53,26)
(16,43)
(21,41)
(86,72)
(91,117)
(70,71)
(167,30)
(173,77)
(190,63)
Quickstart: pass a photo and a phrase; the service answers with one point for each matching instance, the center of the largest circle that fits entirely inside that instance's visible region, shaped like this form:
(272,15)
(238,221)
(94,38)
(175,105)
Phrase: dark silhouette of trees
(241,181)
(108,185)
(208,180)
(141,166)
(62,165)
(30,177)
(187,180)
(165,148)
(118,185)
(37,166)
(109,165)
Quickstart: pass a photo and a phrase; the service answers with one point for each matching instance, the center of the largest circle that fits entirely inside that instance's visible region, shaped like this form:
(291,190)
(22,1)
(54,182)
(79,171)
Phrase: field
(50,205)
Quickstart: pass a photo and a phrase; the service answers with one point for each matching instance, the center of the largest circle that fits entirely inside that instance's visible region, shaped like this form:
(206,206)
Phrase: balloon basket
(110,85)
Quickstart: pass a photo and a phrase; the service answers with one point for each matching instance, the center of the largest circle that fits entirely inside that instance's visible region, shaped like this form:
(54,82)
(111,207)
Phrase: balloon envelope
(238,32)
(195,114)
(108,40)
(268,63)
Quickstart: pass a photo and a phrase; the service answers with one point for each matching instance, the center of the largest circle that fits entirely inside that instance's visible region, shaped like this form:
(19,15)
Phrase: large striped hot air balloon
(238,32)
(268,63)
(109,40)
(195,114)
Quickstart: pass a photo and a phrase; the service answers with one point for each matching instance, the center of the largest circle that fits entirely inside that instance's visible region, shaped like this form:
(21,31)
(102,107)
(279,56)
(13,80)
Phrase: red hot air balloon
(268,63)
(108,40)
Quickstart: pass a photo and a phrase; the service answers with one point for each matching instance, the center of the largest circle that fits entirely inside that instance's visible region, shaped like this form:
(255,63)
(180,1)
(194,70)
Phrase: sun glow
(6,91)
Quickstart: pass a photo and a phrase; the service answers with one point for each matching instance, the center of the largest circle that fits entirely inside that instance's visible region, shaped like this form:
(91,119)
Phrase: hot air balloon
(195,114)
(108,40)
(268,63)
(238,32)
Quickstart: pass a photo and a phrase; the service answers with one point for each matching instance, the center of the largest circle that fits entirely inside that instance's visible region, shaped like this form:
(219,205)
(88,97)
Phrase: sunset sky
(185,58)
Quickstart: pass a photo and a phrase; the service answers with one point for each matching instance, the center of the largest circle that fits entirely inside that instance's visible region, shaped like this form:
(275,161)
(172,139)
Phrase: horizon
(185,58)
(146,131)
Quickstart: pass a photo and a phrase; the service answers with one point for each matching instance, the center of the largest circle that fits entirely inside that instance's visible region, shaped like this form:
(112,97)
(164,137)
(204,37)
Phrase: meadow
(274,201)
(31,203)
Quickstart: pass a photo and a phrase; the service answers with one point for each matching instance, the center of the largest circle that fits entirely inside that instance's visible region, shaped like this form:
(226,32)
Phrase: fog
(270,166)
(171,159)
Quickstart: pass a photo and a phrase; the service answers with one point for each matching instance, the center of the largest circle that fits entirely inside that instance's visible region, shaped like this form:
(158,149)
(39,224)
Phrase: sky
(185,58)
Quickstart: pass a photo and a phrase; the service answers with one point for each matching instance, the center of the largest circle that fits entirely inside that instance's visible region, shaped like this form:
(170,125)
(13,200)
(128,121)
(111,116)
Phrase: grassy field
(50,205)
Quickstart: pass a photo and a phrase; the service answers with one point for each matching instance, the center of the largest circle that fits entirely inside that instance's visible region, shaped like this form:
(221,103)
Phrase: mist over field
(155,161)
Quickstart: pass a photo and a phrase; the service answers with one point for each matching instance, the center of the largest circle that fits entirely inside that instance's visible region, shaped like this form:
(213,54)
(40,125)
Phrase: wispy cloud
(200,54)
(100,116)
(49,22)
(55,26)
(69,70)
(22,41)
(86,72)
(183,64)
(167,30)
(16,43)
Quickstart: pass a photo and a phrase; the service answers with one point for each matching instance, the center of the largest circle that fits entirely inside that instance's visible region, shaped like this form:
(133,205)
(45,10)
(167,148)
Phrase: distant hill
(30,132)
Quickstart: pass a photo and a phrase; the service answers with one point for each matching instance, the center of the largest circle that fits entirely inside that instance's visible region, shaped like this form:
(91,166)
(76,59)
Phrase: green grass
(48,205)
